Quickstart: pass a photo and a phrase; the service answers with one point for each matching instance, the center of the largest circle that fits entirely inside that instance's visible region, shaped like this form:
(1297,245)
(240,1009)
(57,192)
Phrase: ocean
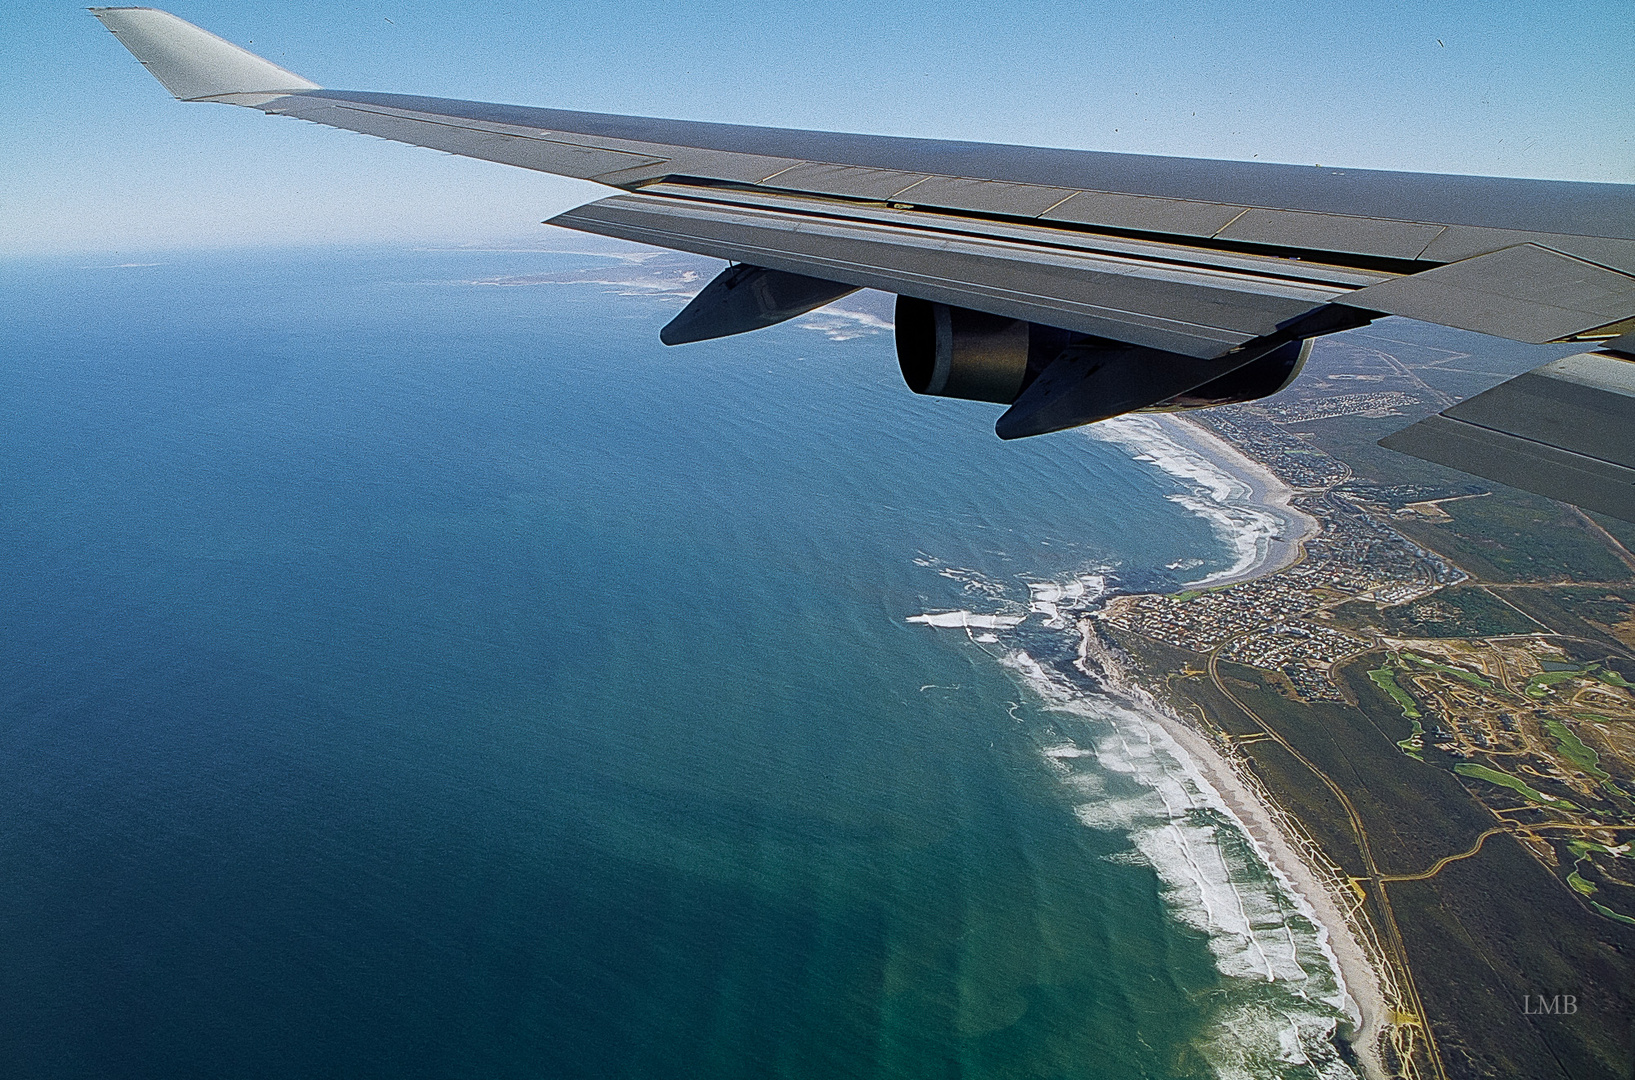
(411,668)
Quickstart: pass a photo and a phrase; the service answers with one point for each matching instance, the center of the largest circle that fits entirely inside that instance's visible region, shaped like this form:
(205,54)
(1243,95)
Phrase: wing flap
(1189,310)
(1526,293)
(1565,431)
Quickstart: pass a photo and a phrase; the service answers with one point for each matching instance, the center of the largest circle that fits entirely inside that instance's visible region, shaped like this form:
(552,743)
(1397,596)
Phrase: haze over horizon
(102,159)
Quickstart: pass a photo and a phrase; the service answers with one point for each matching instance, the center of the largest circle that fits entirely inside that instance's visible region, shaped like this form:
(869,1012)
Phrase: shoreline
(1251,511)
(1266,492)
(1361,979)
(1364,980)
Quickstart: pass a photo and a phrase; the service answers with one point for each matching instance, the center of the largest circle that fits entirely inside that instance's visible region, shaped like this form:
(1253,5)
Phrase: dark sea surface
(405,676)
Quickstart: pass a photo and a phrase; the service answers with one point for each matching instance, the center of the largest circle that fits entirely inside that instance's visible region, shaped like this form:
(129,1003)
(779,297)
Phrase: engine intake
(952,352)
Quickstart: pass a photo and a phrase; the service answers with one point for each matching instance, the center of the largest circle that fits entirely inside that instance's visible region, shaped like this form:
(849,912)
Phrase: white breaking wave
(974,582)
(1128,776)
(1046,597)
(1139,783)
(1221,499)
(967,620)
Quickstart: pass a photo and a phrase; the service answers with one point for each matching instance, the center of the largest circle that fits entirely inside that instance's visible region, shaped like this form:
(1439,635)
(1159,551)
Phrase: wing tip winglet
(192,63)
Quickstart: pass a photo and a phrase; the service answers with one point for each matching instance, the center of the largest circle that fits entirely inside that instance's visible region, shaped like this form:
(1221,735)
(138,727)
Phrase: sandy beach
(1252,513)
(1266,491)
(1266,825)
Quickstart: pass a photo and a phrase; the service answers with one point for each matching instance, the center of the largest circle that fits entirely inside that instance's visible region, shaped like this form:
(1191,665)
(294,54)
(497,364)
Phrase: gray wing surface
(1566,430)
(1196,258)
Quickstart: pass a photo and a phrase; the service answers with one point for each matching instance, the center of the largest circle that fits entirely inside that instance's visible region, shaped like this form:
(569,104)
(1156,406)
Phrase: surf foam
(967,620)
(1288,998)
(1224,501)
(1128,776)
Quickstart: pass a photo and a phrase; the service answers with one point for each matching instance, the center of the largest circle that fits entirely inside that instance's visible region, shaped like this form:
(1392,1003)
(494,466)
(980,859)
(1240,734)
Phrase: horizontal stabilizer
(1565,431)
(743,298)
(194,64)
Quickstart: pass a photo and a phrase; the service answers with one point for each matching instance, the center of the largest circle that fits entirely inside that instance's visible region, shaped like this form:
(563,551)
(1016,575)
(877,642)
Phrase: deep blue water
(406,677)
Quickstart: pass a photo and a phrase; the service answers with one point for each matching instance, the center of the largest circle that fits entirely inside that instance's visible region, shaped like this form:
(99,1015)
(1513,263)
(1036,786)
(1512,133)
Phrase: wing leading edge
(1189,259)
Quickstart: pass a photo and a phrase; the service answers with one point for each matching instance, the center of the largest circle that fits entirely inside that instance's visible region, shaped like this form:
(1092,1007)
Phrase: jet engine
(1259,378)
(954,352)
(1055,379)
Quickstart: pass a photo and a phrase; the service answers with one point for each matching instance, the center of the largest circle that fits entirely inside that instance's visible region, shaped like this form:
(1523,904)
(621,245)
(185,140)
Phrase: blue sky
(94,155)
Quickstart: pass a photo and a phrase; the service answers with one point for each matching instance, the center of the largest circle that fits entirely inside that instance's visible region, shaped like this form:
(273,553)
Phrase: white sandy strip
(1247,506)
(1361,978)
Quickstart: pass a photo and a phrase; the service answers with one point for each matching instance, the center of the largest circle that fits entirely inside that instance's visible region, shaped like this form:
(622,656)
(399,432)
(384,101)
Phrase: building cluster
(1296,462)
(1325,408)
(1203,622)
(1304,652)
(1353,557)
(1356,555)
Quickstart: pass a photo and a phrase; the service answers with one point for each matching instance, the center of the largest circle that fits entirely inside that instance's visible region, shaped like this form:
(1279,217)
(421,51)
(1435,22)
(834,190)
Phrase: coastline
(1251,512)
(1362,977)
(1265,491)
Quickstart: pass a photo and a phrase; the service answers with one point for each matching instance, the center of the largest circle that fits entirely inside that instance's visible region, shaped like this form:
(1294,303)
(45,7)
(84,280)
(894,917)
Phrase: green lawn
(1459,673)
(1612,678)
(1536,686)
(1573,749)
(1493,776)
(1611,914)
(1386,680)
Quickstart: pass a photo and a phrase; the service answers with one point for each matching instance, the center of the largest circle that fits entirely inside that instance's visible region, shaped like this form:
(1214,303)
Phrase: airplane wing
(1130,281)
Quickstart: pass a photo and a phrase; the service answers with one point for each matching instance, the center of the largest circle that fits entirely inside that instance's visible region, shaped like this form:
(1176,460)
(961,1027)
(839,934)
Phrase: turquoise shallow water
(411,677)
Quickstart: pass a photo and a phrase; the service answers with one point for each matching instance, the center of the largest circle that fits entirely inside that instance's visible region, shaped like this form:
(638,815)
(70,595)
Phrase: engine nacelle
(1257,379)
(953,352)
(946,351)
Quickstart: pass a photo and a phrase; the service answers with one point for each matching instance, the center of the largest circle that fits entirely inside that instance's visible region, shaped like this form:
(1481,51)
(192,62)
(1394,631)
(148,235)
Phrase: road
(1403,974)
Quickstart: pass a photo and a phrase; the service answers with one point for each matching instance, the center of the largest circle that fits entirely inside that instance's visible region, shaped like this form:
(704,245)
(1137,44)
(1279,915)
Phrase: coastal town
(1511,702)
(1494,671)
